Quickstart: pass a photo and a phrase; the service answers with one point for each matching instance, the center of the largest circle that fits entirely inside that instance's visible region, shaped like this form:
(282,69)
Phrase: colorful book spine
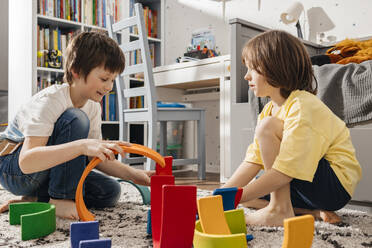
(103,104)
(112,106)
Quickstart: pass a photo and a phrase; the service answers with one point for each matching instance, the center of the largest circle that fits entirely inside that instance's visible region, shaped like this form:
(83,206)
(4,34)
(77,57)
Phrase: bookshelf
(26,70)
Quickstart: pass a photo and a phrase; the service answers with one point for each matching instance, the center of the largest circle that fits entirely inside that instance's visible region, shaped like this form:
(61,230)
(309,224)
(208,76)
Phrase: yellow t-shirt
(311,131)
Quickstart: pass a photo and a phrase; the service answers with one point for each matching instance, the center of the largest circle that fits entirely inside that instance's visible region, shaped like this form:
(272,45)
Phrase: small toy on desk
(201,54)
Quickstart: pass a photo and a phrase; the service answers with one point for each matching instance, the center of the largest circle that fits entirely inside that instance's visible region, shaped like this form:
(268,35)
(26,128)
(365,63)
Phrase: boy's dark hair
(282,59)
(88,50)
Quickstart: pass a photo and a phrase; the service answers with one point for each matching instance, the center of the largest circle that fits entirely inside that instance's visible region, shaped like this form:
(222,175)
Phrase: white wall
(352,19)
(4,44)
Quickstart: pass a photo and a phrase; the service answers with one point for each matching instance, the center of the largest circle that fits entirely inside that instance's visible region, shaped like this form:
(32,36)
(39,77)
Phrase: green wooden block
(236,221)
(37,219)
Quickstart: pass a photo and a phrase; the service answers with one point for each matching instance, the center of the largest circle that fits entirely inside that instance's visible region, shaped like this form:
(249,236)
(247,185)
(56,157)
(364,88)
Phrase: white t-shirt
(38,116)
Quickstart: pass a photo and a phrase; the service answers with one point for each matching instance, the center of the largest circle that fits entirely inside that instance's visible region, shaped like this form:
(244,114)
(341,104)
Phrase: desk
(191,75)
(207,73)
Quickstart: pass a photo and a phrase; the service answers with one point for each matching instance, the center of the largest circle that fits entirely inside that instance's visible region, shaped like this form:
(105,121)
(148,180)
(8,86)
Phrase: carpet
(126,226)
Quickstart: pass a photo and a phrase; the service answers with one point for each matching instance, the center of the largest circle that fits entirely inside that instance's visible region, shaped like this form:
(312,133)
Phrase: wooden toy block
(238,196)
(249,237)
(144,191)
(178,217)
(228,197)
(83,231)
(37,219)
(298,232)
(237,238)
(165,170)
(81,208)
(95,243)
(236,220)
(211,215)
(157,183)
(148,230)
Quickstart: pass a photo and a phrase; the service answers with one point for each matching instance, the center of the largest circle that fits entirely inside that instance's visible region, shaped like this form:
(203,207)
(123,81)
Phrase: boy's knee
(79,121)
(115,192)
(269,126)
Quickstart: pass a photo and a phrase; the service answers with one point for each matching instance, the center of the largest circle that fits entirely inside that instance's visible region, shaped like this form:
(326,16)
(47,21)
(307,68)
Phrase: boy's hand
(141,177)
(103,149)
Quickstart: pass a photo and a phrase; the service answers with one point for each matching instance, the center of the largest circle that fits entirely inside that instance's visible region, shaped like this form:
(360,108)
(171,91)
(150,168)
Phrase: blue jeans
(60,182)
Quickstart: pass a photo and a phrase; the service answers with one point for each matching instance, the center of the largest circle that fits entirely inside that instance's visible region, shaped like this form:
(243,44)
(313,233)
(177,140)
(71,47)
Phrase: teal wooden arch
(145,192)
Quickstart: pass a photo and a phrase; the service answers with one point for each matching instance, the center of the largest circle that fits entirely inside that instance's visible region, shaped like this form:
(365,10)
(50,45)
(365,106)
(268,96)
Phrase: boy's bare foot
(5,207)
(65,209)
(327,216)
(268,216)
(256,203)
(323,215)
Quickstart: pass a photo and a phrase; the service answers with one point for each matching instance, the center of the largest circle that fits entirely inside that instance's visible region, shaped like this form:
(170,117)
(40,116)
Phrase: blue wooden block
(95,243)
(149,231)
(83,231)
(249,237)
(228,197)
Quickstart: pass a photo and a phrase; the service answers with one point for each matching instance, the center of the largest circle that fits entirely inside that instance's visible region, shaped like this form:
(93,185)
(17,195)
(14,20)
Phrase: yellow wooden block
(298,232)
(211,215)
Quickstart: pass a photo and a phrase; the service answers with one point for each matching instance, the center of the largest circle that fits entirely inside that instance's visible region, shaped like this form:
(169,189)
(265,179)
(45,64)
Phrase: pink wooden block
(238,196)
(167,170)
(157,183)
(178,216)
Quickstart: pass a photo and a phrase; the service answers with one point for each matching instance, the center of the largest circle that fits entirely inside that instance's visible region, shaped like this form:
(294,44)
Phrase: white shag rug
(126,226)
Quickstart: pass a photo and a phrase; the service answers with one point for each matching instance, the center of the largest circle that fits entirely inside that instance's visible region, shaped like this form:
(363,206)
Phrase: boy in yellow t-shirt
(305,149)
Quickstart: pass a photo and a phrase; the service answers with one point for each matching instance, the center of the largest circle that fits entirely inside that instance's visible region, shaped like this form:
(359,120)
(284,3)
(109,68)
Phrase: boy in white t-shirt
(53,135)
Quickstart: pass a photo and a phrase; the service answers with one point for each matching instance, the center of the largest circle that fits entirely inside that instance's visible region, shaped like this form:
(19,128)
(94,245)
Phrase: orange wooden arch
(82,210)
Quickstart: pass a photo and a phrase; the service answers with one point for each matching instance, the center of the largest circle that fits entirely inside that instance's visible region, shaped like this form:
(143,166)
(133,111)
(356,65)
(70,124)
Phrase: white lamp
(319,22)
(292,14)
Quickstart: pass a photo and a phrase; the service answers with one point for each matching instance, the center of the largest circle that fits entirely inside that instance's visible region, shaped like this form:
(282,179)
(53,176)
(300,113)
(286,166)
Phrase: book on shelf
(135,57)
(44,82)
(112,106)
(154,24)
(94,10)
(109,107)
(64,9)
(151,18)
(51,38)
(136,102)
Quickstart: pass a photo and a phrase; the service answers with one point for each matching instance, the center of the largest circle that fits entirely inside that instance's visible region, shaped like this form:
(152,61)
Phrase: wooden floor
(190,178)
